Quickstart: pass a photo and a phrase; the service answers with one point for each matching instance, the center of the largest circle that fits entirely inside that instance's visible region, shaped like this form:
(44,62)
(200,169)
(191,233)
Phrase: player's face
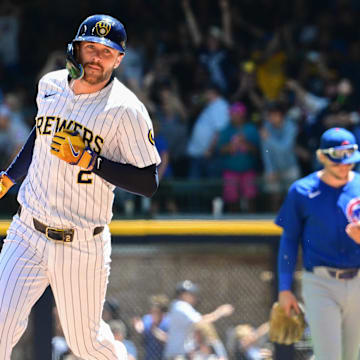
(338,171)
(99,61)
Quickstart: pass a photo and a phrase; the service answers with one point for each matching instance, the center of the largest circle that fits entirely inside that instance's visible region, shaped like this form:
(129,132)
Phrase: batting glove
(69,146)
(5,184)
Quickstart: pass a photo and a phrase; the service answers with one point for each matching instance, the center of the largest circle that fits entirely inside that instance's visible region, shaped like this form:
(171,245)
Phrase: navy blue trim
(140,181)
(20,165)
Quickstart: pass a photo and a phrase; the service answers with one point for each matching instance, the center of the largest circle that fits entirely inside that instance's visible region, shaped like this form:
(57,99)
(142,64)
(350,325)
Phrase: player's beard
(96,77)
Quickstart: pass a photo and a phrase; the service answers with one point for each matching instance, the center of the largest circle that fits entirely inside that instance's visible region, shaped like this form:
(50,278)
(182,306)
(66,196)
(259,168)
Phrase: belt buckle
(49,228)
(338,273)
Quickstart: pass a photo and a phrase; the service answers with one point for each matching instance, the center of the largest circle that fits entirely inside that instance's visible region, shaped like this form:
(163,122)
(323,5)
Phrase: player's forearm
(287,257)
(140,181)
(20,165)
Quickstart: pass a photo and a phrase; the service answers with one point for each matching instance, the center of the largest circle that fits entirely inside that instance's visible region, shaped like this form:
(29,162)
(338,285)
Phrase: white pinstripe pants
(78,275)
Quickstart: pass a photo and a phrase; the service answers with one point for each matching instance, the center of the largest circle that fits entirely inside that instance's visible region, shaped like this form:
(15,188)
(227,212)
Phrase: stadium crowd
(239,91)
(175,330)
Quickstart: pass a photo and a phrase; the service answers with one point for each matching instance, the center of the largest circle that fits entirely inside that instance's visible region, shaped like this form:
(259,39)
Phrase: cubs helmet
(102,29)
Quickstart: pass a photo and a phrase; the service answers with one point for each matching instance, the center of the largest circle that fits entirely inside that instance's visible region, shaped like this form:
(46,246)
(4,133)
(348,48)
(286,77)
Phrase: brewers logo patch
(353,210)
(151,137)
(102,28)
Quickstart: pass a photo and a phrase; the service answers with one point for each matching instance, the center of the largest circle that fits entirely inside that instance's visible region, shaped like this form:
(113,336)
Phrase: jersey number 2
(84,177)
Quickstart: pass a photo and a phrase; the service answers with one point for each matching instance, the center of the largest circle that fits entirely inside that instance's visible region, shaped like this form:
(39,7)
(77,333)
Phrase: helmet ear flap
(75,69)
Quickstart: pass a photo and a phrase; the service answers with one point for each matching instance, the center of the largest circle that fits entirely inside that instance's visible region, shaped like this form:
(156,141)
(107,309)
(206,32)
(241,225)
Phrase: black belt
(345,274)
(52,233)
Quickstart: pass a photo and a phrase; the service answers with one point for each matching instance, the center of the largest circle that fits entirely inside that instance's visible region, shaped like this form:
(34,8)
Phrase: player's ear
(320,156)
(118,60)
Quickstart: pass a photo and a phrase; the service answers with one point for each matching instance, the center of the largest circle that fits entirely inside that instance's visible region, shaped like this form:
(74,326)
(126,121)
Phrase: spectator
(55,61)
(172,116)
(162,199)
(183,317)
(213,51)
(247,90)
(154,327)
(238,145)
(161,143)
(213,118)
(206,344)
(245,342)
(10,23)
(13,132)
(133,65)
(60,348)
(119,330)
(111,310)
(278,136)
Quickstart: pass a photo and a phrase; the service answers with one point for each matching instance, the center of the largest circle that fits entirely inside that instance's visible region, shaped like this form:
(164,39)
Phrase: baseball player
(91,134)
(321,213)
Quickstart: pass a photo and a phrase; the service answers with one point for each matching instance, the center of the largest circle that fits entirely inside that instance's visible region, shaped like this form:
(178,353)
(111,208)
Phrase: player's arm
(140,181)
(19,166)
(69,146)
(287,257)
(290,219)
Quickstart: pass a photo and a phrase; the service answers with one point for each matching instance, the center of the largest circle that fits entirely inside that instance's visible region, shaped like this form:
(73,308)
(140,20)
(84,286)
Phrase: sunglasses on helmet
(340,153)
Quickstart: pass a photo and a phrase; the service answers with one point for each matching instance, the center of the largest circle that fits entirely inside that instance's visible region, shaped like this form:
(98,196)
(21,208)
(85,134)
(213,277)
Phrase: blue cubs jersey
(315,215)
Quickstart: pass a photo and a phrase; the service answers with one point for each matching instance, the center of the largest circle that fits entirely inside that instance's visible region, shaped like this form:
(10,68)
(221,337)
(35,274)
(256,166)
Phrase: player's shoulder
(306,184)
(356,179)
(122,96)
(125,102)
(54,77)
(353,186)
(52,82)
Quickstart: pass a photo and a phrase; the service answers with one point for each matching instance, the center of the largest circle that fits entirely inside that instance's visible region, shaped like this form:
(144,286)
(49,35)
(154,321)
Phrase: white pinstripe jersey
(112,121)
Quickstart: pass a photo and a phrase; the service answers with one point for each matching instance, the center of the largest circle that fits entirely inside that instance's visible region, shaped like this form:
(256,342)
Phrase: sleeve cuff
(285,281)
(5,173)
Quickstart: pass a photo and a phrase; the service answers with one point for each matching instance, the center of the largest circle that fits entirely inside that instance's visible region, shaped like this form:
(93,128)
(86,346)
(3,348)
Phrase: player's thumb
(295,307)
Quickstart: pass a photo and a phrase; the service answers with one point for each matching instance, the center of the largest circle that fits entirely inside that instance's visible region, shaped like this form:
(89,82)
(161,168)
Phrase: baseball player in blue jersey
(321,213)
(91,134)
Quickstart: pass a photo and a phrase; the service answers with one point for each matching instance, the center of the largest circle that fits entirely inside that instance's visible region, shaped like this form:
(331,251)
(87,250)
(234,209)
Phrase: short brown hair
(160,301)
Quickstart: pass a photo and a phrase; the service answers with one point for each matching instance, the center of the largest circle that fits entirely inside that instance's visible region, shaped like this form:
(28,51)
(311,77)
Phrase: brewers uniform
(60,235)
(315,215)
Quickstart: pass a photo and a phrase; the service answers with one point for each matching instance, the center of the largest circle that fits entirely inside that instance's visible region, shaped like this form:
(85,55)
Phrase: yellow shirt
(270,75)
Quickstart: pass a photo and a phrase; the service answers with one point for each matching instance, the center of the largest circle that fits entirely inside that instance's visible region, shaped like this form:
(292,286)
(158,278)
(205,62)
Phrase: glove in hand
(69,146)
(5,184)
(285,329)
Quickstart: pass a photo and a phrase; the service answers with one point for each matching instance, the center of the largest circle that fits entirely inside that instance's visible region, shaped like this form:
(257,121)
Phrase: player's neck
(83,87)
(334,181)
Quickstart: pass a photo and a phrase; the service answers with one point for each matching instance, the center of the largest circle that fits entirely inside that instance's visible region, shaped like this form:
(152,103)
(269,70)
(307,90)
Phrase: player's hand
(353,231)
(5,184)
(287,301)
(69,146)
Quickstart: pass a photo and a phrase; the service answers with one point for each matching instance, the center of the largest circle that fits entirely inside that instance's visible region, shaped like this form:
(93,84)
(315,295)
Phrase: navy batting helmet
(102,29)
